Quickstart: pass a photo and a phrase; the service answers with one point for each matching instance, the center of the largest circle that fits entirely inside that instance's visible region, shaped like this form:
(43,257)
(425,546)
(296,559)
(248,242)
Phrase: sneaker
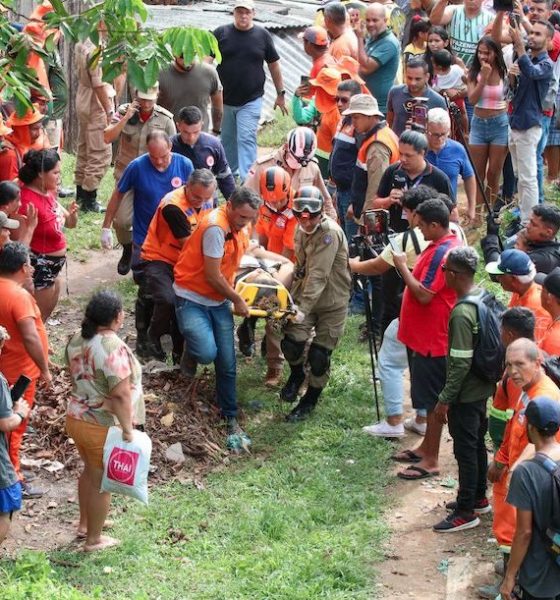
(456,522)
(410,424)
(29,492)
(237,439)
(481,507)
(384,430)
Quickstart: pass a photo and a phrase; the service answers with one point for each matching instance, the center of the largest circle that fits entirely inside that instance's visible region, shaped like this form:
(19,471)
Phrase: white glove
(299,316)
(106,238)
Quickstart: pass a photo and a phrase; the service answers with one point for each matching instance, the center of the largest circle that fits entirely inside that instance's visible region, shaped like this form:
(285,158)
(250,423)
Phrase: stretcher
(265,296)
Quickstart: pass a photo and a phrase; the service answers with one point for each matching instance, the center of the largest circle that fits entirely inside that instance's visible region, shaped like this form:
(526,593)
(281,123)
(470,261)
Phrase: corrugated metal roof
(283,27)
(273,15)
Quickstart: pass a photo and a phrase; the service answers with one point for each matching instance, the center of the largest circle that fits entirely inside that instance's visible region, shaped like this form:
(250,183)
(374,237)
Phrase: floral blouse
(97,366)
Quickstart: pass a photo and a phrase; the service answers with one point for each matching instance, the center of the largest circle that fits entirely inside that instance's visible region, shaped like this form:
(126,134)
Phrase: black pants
(523,595)
(468,425)
(159,283)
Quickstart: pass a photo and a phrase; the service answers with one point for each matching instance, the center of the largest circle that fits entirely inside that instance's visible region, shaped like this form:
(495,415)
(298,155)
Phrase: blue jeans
(239,135)
(545,124)
(343,201)
(208,333)
(391,364)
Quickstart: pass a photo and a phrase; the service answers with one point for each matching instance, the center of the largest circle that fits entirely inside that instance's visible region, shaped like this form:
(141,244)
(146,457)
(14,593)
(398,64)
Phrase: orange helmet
(275,185)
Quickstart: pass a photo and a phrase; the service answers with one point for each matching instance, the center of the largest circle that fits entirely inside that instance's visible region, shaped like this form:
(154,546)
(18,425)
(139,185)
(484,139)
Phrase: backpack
(551,537)
(551,366)
(489,353)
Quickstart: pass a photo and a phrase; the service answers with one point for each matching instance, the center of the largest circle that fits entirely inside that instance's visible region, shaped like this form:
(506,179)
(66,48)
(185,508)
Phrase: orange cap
(32,116)
(349,66)
(327,79)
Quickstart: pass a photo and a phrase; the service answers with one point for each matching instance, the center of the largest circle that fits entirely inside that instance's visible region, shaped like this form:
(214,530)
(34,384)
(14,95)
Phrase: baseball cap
(32,116)
(512,262)
(315,35)
(544,413)
(149,94)
(6,222)
(363,104)
(550,281)
(248,4)
(349,66)
(328,80)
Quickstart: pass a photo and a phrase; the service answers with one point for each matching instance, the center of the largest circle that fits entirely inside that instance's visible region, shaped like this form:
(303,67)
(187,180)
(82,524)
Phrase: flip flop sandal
(421,473)
(407,456)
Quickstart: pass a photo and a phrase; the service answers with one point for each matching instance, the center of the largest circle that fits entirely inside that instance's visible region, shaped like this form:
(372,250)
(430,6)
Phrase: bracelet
(21,417)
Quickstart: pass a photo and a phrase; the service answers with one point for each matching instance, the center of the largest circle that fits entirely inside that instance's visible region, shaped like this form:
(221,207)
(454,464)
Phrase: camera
(373,235)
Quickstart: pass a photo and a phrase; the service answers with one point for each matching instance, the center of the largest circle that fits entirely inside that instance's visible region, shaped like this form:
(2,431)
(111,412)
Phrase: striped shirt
(465,32)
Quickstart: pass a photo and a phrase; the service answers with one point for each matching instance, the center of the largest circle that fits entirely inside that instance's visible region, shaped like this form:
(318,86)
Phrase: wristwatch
(20,416)
(282,93)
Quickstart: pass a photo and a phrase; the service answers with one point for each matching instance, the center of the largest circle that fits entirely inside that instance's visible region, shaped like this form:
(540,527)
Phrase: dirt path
(418,559)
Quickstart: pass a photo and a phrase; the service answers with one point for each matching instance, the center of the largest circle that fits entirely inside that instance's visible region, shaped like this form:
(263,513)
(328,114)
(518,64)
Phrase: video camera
(373,235)
(417,109)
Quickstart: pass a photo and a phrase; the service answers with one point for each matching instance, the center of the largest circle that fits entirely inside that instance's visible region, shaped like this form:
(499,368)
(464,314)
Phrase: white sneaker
(410,424)
(385,430)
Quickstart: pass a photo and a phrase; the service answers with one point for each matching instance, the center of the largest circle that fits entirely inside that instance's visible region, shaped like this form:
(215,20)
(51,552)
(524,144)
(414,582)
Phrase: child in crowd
(416,40)
(449,81)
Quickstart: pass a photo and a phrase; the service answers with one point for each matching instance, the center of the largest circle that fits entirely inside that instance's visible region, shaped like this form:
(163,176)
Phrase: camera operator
(537,239)
(411,170)
(321,289)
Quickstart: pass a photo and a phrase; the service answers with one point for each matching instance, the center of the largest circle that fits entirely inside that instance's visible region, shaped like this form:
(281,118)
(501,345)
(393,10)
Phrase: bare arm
(70,214)
(368,65)
(373,266)
(20,408)
(421,294)
(33,346)
(113,131)
(112,208)
(120,404)
(441,13)
(276,75)
(217,100)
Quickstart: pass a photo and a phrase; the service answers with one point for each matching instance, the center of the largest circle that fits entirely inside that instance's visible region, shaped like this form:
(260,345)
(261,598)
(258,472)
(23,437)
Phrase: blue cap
(544,413)
(512,262)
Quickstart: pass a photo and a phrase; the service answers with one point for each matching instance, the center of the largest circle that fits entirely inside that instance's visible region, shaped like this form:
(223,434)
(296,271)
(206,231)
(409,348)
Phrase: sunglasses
(445,268)
(342,100)
(312,206)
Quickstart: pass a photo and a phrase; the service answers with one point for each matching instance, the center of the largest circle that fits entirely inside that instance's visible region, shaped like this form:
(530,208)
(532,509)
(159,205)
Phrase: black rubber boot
(305,406)
(246,336)
(89,202)
(290,391)
(123,266)
(80,196)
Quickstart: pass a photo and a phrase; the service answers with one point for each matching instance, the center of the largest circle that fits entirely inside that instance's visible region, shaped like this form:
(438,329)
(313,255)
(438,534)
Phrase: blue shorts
(10,498)
(490,130)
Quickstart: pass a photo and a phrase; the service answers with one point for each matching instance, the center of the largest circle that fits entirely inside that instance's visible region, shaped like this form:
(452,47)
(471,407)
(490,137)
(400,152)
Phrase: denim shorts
(489,130)
(10,498)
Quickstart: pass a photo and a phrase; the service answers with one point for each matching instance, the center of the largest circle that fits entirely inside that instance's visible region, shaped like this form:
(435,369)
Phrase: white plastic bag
(126,464)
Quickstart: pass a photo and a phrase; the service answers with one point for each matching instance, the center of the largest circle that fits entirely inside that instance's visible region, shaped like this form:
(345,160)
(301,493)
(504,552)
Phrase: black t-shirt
(243,54)
(432,177)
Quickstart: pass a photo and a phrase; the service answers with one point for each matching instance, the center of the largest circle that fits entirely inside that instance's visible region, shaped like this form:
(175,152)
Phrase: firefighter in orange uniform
(175,219)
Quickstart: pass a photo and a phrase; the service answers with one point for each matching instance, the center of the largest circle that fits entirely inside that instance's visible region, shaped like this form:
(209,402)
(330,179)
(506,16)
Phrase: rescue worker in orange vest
(523,367)
(175,219)
(205,293)
(517,322)
(379,149)
(275,227)
(321,290)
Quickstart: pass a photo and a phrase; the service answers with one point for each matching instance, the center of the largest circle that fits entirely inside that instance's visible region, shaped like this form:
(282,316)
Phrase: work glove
(106,238)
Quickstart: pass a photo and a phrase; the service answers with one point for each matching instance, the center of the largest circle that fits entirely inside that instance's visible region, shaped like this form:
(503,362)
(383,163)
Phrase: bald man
(379,55)
(523,367)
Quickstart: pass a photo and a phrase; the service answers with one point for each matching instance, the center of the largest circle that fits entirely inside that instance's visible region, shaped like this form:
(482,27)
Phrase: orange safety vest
(189,270)
(160,243)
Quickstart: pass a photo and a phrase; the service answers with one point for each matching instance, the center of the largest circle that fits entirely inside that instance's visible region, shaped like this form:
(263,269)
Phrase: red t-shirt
(17,304)
(278,227)
(423,327)
(48,236)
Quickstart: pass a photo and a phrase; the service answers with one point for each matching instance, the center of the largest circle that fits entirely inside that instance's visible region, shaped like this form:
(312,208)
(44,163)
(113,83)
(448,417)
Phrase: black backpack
(551,536)
(489,353)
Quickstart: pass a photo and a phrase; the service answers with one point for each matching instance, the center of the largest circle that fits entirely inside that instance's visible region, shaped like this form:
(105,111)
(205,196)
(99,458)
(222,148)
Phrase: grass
(273,134)
(301,518)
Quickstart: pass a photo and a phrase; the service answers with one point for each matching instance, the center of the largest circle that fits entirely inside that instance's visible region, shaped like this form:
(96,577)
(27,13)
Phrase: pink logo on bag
(122,466)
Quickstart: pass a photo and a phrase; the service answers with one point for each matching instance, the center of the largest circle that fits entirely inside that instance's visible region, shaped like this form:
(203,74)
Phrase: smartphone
(304,80)
(515,20)
(19,387)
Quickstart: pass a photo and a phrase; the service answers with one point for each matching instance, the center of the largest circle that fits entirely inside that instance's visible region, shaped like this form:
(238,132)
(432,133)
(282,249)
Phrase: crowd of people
(412,124)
